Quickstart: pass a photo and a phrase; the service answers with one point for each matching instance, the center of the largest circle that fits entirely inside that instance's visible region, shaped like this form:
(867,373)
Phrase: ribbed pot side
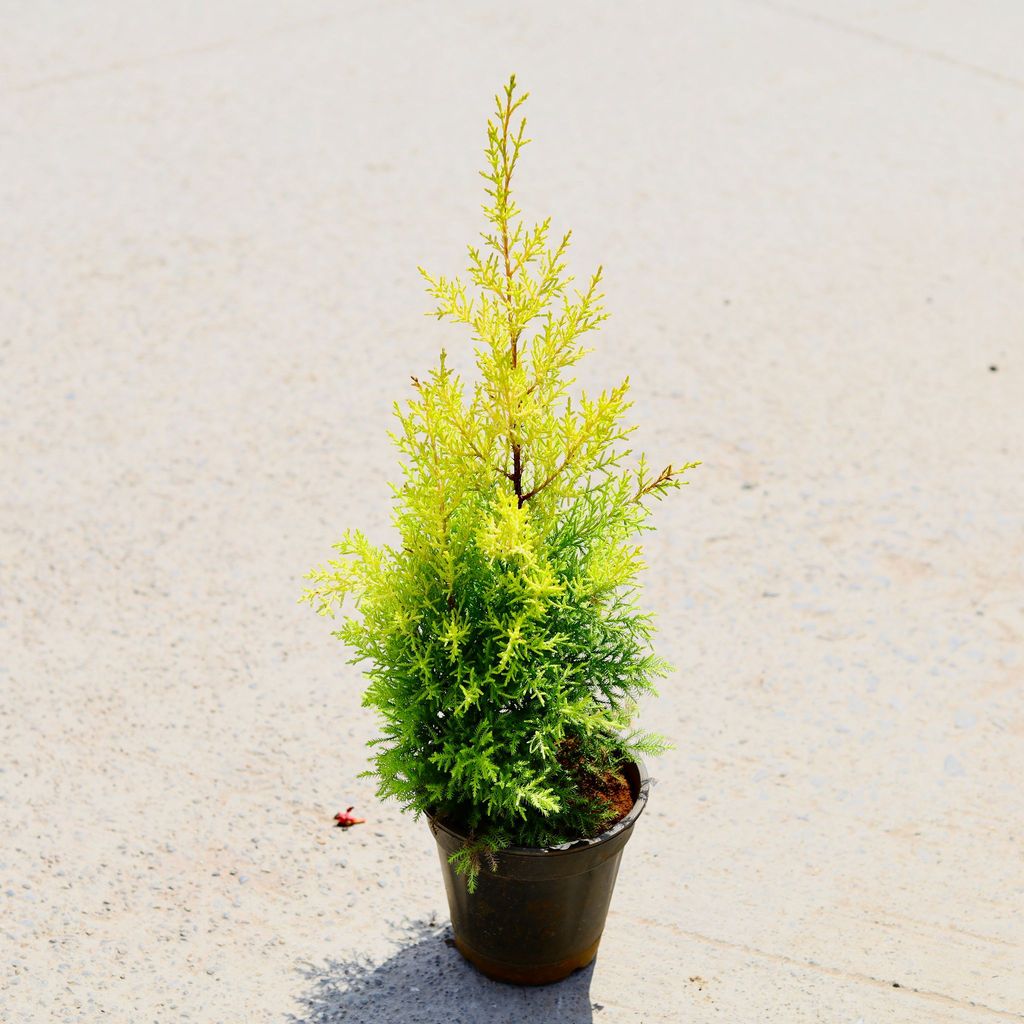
(538,916)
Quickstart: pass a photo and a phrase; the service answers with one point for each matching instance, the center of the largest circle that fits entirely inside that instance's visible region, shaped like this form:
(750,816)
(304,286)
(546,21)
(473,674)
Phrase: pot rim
(622,825)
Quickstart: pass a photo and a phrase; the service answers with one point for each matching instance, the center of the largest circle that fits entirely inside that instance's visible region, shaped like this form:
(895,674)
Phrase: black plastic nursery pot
(539,914)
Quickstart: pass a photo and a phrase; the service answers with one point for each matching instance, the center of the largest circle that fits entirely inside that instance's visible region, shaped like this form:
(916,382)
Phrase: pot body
(538,916)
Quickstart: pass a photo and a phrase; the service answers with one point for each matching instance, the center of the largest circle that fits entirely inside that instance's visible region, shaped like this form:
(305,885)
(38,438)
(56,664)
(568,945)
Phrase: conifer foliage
(500,635)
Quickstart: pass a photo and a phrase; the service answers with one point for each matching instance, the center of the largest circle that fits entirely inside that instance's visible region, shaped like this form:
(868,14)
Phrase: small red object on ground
(345,819)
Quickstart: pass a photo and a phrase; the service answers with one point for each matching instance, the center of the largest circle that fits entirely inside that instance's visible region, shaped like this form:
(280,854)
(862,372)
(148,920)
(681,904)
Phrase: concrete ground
(811,216)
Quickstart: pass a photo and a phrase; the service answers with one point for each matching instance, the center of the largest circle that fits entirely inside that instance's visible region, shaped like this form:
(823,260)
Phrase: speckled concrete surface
(812,220)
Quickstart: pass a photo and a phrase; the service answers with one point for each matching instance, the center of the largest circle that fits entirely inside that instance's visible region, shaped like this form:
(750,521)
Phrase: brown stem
(517,453)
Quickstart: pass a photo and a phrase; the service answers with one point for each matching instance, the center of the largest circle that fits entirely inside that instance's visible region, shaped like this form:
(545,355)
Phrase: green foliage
(502,630)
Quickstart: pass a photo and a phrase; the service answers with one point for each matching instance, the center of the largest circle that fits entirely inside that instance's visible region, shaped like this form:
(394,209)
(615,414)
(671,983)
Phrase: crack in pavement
(157,58)
(834,972)
(897,44)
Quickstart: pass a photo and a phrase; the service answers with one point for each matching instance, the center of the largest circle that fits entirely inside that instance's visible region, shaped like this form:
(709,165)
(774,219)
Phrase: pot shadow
(428,982)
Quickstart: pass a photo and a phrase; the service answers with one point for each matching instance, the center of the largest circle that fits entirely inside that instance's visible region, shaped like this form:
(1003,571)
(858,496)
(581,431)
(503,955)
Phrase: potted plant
(501,637)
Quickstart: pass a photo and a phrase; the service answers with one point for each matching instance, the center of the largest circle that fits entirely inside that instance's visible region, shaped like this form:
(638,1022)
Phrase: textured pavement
(811,217)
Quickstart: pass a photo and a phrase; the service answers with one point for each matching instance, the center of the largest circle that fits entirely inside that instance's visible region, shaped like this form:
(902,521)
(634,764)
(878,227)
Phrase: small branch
(569,456)
(668,477)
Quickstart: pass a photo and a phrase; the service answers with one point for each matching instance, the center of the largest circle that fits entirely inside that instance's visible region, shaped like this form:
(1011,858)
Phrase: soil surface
(613,788)
(610,786)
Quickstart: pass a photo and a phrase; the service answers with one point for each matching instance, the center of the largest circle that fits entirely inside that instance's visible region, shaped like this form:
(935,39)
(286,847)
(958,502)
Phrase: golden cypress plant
(501,631)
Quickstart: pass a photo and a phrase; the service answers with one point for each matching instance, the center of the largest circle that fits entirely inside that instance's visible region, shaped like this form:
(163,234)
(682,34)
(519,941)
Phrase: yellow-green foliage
(502,629)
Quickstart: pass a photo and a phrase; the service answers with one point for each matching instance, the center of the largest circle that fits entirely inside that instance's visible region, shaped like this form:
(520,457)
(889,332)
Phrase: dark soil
(610,786)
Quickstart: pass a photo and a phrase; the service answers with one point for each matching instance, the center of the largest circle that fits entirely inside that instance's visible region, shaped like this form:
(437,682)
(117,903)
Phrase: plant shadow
(428,982)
